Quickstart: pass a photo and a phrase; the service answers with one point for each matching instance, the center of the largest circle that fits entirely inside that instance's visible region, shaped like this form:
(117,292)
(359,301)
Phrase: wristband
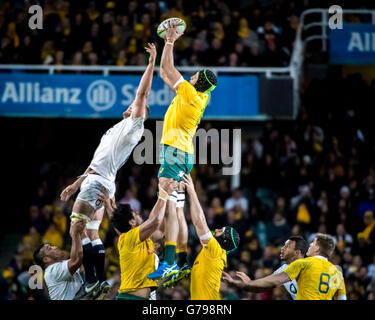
(206,236)
(171,43)
(163,194)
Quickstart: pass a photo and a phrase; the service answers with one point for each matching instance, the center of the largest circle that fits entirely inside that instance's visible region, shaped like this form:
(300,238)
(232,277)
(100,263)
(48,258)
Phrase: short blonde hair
(326,244)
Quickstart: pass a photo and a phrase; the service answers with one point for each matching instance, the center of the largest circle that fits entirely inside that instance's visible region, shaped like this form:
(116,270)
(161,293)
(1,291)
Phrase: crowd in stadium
(219,33)
(314,175)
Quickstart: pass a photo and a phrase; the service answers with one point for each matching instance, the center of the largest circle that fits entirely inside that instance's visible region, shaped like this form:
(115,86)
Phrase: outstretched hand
(68,192)
(244,279)
(225,276)
(171,34)
(109,203)
(243,276)
(188,183)
(151,49)
(168,185)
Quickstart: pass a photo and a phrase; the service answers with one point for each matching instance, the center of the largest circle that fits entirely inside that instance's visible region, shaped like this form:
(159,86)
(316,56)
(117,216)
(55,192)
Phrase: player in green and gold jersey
(317,278)
(210,262)
(135,246)
(177,152)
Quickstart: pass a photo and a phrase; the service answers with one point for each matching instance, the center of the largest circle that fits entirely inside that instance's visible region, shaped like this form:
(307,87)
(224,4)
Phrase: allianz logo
(100,95)
(361,42)
(32,92)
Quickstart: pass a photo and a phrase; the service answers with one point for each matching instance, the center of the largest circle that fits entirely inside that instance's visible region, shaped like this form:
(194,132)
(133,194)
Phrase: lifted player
(177,151)
(113,151)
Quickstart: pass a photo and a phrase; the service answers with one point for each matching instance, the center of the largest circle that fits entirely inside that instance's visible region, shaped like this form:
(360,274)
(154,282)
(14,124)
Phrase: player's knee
(92,229)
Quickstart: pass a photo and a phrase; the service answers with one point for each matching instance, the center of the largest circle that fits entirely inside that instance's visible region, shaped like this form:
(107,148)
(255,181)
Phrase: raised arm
(147,228)
(197,215)
(259,285)
(76,251)
(139,104)
(168,72)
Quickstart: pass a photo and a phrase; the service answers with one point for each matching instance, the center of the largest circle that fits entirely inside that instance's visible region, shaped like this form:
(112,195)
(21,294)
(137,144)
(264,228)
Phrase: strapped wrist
(163,194)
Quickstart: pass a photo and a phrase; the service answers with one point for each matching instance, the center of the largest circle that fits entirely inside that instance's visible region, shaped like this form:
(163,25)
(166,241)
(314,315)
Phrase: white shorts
(90,189)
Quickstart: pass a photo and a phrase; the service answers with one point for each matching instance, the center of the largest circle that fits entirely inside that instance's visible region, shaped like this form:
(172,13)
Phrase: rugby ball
(181,26)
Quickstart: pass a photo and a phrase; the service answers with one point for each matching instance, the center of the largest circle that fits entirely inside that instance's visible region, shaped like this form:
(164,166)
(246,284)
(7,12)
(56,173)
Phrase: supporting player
(62,276)
(177,152)
(317,278)
(210,262)
(113,151)
(294,248)
(136,249)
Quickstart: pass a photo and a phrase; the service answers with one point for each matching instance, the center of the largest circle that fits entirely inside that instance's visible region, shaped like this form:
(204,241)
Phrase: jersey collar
(321,257)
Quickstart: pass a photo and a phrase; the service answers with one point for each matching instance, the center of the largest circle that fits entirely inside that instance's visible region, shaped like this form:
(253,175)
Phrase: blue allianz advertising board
(354,44)
(92,96)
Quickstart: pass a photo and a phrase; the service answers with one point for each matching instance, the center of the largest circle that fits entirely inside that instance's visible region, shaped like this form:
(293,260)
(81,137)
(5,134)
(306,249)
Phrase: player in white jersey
(113,151)
(294,248)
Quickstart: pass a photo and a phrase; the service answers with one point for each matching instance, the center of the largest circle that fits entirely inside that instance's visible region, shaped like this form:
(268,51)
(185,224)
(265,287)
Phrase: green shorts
(125,296)
(174,163)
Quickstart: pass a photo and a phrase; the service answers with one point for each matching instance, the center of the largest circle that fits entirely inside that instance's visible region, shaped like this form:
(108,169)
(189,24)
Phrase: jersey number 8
(324,284)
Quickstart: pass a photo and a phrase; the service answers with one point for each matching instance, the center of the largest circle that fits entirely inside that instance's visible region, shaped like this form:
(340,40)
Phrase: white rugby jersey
(60,283)
(115,147)
(290,286)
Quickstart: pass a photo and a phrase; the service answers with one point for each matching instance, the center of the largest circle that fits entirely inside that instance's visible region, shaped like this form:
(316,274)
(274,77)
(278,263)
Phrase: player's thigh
(83,207)
(98,215)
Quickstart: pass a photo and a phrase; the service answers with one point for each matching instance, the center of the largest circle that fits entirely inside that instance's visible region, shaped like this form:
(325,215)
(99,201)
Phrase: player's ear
(46,259)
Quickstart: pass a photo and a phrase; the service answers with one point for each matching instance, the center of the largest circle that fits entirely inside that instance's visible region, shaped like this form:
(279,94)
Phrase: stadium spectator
(236,200)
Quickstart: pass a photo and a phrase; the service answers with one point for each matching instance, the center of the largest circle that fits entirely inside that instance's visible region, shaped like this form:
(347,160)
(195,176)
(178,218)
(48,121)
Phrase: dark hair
(121,217)
(325,243)
(301,244)
(37,258)
(229,240)
(206,78)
